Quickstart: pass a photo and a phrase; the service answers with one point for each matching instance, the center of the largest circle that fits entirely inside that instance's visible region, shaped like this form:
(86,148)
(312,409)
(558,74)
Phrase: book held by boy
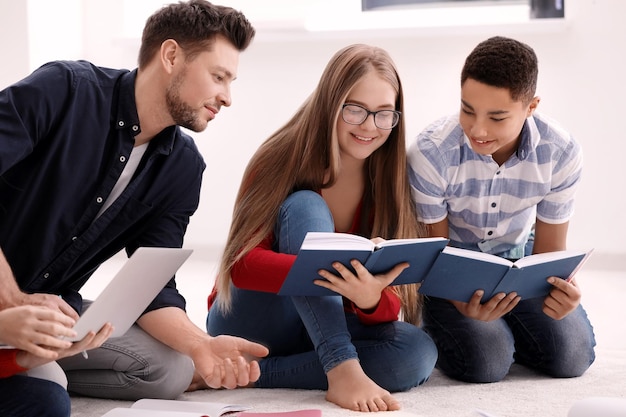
(458,273)
(320,249)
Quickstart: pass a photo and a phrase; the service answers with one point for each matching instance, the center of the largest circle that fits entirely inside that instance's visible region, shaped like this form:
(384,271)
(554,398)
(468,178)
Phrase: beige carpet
(522,394)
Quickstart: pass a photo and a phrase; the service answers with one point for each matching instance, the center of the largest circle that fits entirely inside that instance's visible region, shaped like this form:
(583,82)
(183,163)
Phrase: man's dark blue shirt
(66,132)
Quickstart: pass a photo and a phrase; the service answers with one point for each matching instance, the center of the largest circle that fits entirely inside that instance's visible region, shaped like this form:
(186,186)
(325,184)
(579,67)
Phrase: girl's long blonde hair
(299,155)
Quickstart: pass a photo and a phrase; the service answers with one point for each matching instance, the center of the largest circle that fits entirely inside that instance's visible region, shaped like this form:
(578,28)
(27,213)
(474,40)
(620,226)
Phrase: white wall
(581,84)
(14,33)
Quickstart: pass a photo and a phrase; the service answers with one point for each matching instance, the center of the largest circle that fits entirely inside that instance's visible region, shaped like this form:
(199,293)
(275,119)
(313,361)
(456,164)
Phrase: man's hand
(227,361)
(498,306)
(53,302)
(562,299)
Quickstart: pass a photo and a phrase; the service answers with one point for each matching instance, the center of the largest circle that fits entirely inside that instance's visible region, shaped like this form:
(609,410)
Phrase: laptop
(128,294)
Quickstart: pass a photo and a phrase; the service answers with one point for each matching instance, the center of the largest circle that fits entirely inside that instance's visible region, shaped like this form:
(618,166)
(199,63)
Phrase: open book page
(396,242)
(175,408)
(295,413)
(142,412)
(209,408)
(540,258)
(336,241)
(347,241)
(481,256)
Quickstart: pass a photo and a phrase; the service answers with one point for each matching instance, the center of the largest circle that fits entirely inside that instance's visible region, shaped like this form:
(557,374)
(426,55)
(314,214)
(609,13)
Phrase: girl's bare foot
(350,388)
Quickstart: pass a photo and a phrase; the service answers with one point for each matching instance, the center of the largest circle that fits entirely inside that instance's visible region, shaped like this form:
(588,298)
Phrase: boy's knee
(478,366)
(570,366)
(492,371)
(570,355)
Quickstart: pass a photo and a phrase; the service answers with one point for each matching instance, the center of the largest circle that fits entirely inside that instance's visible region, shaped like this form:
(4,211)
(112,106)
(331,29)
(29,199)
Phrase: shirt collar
(127,117)
(529,139)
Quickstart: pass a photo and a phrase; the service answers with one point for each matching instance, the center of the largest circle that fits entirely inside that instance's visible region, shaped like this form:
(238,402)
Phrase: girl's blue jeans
(24,396)
(308,336)
(477,351)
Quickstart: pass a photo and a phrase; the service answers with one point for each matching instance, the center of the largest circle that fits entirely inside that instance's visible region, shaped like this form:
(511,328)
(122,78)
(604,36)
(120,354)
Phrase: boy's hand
(563,298)
(498,306)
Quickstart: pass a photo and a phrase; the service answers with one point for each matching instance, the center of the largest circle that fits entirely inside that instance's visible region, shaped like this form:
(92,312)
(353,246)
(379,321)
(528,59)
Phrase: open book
(174,408)
(458,273)
(319,250)
(179,408)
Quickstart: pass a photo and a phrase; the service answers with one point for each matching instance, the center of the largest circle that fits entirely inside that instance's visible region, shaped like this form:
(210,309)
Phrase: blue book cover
(458,273)
(320,250)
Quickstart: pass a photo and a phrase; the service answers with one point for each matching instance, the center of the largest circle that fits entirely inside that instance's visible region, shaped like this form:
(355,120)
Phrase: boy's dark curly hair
(504,63)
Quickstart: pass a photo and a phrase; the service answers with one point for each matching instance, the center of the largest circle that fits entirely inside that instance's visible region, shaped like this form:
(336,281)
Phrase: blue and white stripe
(490,207)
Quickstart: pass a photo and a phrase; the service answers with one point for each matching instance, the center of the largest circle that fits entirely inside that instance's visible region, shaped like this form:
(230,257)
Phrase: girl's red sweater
(8,363)
(263,269)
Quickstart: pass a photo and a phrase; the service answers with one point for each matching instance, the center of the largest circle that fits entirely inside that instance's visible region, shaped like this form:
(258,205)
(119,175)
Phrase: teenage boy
(499,178)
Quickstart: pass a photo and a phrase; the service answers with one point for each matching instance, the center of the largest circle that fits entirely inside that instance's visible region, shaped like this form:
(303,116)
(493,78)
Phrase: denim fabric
(129,367)
(308,336)
(23,396)
(477,351)
(512,254)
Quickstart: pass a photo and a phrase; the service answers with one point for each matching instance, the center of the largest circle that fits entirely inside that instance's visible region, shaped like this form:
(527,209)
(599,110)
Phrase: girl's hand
(563,298)
(362,288)
(498,306)
(93,340)
(36,329)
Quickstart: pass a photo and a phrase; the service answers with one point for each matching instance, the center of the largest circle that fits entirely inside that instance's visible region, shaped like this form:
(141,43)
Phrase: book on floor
(174,408)
(457,273)
(320,249)
(180,408)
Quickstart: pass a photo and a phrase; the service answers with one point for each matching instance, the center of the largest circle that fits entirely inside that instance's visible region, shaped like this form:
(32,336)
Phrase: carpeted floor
(522,394)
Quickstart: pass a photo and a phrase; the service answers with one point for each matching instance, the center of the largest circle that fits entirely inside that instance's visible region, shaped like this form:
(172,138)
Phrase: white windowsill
(423,21)
(345,20)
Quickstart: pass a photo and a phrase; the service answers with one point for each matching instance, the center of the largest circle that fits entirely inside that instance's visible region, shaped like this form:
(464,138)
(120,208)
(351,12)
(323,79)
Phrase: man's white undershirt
(127,174)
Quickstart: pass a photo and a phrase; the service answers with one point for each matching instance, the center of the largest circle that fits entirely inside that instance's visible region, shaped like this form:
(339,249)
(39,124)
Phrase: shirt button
(46,275)
(135,128)
(121,123)
(122,158)
(75,237)
(489,233)
(99,200)
(498,172)
(493,205)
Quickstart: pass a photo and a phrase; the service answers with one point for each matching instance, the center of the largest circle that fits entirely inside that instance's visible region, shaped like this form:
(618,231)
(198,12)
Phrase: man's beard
(183,114)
